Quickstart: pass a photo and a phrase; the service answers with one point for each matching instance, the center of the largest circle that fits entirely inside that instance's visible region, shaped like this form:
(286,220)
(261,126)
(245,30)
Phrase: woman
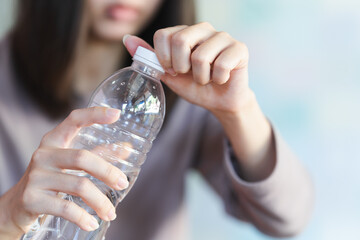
(56,55)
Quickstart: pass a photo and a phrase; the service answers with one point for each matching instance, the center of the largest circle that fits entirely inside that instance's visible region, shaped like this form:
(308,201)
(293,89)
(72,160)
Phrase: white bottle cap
(148,57)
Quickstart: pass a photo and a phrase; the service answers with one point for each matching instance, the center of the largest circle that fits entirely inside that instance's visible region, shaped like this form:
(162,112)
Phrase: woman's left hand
(205,67)
(210,69)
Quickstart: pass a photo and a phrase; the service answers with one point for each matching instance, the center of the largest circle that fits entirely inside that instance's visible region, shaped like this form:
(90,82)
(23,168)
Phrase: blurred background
(305,70)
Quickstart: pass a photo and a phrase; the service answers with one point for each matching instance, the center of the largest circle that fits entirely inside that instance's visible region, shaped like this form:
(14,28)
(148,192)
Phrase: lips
(120,12)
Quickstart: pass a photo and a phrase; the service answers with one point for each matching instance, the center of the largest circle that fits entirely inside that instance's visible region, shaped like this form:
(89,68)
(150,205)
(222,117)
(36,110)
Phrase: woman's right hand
(36,192)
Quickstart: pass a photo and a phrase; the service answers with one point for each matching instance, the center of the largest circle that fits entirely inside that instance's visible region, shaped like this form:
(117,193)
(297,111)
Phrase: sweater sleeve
(279,205)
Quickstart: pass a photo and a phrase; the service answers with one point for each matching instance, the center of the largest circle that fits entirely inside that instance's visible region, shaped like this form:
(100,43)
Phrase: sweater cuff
(266,185)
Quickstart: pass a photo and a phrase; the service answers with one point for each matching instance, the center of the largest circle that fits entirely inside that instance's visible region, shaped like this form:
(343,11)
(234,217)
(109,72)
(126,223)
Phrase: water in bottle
(138,93)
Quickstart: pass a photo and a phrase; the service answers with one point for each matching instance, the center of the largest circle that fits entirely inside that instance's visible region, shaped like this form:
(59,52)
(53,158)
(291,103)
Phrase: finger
(162,45)
(84,188)
(84,160)
(205,55)
(62,135)
(234,57)
(68,210)
(114,152)
(181,82)
(184,41)
(132,43)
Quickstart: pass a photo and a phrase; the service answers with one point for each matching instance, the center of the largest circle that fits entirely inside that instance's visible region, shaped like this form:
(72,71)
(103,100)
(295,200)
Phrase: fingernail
(93,224)
(111,112)
(111,215)
(125,37)
(123,183)
(171,72)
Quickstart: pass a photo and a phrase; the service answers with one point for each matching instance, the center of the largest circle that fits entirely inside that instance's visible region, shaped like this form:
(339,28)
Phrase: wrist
(8,228)
(238,107)
(250,135)
(246,108)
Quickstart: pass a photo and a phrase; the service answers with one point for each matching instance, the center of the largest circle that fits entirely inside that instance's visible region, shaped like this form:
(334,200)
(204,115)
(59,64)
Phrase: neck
(96,61)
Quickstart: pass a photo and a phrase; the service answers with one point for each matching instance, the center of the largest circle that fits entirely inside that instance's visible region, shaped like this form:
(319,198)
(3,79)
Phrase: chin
(114,32)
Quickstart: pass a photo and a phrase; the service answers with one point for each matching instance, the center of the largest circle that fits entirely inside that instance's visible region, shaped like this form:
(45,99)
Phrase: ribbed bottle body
(138,93)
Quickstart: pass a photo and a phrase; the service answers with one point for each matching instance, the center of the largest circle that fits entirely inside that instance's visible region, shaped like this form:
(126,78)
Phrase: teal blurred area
(305,71)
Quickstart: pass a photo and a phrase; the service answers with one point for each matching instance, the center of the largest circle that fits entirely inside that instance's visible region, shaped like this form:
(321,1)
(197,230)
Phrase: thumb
(132,43)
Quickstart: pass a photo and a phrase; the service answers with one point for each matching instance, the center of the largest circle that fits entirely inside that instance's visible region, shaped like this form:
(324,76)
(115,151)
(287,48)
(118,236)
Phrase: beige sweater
(192,138)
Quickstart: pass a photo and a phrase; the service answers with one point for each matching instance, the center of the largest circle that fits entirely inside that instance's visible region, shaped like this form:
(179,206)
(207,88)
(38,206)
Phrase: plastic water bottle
(138,93)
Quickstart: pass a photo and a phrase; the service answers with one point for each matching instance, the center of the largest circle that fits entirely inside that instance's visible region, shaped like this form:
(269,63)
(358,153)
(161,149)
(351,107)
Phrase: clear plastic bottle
(138,93)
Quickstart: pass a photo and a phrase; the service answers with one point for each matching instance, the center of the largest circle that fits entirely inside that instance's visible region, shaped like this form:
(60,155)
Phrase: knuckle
(33,176)
(92,111)
(81,216)
(77,115)
(245,47)
(161,35)
(164,58)
(219,80)
(202,81)
(206,25)
(79,157)
(37,156)
(28,199)
(182,68)
(179,39)
(110,172)
(65,139)
(45,138)
(73,115)
(221,73)
(197,58)
(222,67)
(66,208)
(242,47)
(106,202)
(82,185)
(158,35)
(95,109)
(223,34)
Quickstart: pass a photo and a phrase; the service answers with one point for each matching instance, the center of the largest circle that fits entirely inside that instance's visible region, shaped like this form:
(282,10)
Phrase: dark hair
(44,42)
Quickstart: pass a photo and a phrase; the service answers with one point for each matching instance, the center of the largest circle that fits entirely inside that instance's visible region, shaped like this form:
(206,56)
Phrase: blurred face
(112,19)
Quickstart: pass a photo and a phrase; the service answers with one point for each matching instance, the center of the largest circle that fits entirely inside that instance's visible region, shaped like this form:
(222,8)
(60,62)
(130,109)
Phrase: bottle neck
(144,68)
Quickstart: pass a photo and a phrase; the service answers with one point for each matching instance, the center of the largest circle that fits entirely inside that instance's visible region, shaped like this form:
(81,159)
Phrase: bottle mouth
(146,69)
(148,57)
